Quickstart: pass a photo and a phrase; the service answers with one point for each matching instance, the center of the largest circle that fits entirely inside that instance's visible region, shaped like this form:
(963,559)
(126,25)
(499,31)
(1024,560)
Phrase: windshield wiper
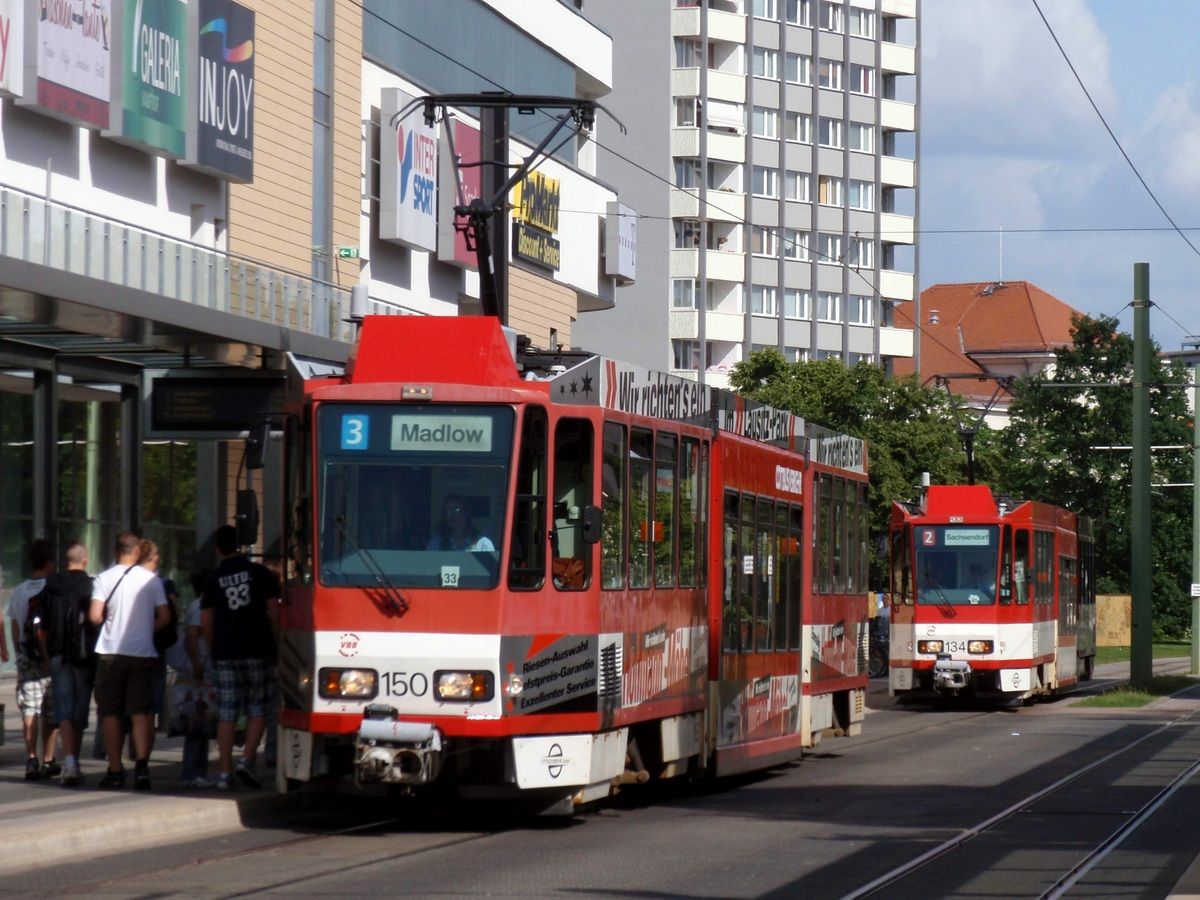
(944,603)
(391,594)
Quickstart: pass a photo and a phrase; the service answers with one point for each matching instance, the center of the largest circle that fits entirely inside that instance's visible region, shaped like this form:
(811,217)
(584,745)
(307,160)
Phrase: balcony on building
(895,341)
(896,285)
(898,115)
(895,171)
(723,146)
(895,228)
(897,58)
(900,9)
(722,205)
(720,265)
(723,24)
(685,323)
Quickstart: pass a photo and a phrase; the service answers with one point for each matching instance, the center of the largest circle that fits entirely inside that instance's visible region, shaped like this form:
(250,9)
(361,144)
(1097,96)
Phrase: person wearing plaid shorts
(35,700)
(239,615)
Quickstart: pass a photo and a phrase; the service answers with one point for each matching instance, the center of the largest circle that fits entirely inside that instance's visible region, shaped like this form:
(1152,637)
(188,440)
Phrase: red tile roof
(975,322)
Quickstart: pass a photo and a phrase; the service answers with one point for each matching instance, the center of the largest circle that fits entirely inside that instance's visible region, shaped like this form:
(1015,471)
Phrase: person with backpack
(68,641)
(34,692)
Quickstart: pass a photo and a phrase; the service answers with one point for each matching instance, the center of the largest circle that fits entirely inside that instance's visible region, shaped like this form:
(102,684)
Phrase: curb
(41,840)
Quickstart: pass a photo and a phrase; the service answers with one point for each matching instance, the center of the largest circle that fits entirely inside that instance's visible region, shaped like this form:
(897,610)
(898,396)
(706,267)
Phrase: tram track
(891,883)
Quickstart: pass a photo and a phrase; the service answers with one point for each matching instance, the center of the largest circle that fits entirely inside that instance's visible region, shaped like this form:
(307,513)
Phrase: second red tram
(989,596)
(518,580)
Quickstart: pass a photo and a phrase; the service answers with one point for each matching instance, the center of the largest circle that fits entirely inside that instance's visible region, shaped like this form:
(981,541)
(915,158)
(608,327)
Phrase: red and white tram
(989,596)
(517,585)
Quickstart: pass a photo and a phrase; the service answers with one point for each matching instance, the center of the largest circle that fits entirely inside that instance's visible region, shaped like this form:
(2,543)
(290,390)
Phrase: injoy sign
(220,137)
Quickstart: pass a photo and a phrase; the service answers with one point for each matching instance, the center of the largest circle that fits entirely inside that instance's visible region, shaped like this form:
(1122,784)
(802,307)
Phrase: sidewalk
(42,823)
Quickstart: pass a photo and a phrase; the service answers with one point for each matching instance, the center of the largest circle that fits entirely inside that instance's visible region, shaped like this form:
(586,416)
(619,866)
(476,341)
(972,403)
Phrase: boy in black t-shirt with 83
(239,615)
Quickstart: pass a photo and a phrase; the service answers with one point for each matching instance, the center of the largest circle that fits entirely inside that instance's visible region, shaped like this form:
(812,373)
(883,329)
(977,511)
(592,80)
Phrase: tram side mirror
(591,524)
(246,518)
(256,445)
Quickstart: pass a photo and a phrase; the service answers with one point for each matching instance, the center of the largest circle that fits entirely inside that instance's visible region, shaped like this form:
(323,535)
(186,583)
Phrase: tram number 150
(404,684)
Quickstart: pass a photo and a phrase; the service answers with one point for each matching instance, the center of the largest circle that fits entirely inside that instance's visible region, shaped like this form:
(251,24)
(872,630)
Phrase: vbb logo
(348,645)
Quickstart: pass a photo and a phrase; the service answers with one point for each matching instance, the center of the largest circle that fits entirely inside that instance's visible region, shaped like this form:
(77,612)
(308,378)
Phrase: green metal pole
(1195,516)
(1141,651)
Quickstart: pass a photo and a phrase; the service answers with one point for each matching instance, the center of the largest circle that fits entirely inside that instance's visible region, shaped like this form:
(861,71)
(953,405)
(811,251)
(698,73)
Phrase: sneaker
(33,771)
(224,782)
(200,783)
(247,775)
(51,768)
(141,776)
(112,780)
(71,776)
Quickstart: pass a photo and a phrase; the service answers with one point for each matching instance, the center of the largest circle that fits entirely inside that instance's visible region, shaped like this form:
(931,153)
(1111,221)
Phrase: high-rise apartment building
(772,154)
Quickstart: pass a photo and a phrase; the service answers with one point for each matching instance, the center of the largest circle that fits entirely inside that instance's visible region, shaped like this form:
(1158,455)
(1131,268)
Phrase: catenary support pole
(1141,659)
(1195,515)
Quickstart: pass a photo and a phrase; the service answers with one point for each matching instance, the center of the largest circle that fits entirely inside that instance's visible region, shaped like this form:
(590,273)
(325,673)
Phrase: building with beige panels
(200,215)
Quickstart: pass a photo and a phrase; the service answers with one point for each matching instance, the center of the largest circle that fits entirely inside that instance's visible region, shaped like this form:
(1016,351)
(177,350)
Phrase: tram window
(1043,546)
(571,566)
(691,531)
(764,582)
(1067,592)
(732,570)
(864,539)
(837,532)
(794,587)
(527,557)
(779,589)
(1022,571)
(702,489)
(1006,562)
(612,506)
(824,548)
(665,452)
(746,574)
(641,507)
(901,583)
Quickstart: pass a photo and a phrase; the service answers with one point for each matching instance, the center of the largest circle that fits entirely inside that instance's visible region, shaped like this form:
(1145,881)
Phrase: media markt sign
(150,75)
(220,122)
(535,220)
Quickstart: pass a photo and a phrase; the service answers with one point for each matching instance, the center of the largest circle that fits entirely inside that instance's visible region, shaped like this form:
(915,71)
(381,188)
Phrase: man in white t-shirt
(34,698)
(128,603)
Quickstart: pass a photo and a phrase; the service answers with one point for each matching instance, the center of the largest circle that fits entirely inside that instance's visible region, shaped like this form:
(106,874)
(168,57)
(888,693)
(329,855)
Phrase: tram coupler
(950,674)
(388,751)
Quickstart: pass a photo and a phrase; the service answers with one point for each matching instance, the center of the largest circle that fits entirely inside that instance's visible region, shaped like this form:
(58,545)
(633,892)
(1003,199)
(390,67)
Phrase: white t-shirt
(18,607)
(129,627)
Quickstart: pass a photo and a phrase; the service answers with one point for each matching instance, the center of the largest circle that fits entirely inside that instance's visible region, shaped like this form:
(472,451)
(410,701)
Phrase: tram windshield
(415,494)
(956,564)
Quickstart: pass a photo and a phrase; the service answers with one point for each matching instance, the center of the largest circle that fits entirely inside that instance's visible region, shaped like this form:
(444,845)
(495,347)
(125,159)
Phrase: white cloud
(1169,142)
(993,80)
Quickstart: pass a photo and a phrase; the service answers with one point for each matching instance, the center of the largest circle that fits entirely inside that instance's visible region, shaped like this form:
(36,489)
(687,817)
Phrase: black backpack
(165,637)
(31,647)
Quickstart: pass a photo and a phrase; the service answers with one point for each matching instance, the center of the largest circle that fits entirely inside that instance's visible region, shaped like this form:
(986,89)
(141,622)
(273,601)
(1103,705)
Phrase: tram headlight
(464,687)
(356,684)
(930,646)
(979,646)
(513,685)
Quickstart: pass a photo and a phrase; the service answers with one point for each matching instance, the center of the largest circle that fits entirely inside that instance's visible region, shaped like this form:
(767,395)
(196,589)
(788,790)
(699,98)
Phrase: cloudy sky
(1009,141)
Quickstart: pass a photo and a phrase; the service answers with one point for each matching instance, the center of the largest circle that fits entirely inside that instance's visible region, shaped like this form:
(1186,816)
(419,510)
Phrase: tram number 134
(404,684)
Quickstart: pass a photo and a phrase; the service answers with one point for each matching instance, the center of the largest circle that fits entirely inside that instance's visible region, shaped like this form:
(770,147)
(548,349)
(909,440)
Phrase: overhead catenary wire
(777,232)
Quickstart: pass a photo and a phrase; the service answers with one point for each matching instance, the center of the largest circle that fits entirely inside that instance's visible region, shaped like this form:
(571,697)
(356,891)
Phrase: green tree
(909,429)
(1053,450)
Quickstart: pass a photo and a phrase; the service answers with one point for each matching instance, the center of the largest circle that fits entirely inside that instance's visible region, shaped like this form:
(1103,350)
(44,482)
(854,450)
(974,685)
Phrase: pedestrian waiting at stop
(239,616)
(197,719)
(35,695)
(128,604)
(68,640)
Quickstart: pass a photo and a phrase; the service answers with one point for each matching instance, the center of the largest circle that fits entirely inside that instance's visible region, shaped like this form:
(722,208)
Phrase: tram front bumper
(950,674)
(388,751)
